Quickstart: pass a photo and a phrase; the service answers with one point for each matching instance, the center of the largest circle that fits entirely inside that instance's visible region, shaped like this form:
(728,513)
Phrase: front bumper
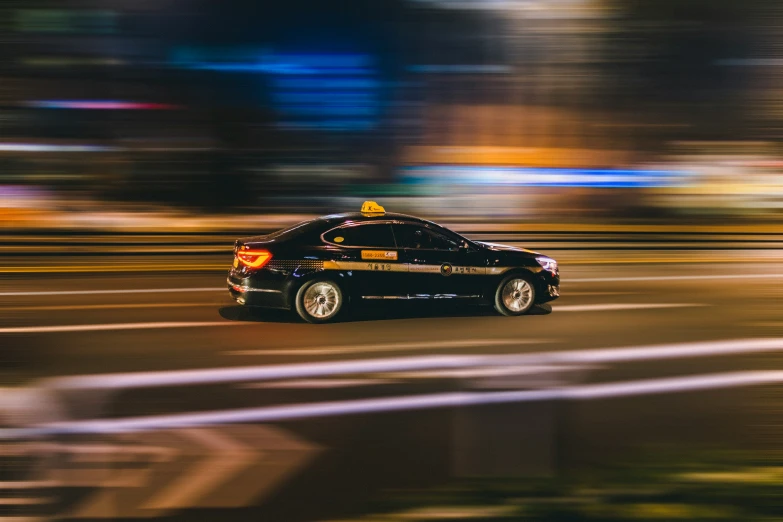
(548,287)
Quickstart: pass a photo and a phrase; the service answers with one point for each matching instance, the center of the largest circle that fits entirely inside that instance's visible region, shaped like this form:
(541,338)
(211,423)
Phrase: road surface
(124,322)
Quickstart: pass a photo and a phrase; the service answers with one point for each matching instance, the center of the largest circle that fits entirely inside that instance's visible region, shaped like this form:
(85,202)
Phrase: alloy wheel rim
(321,300)
(517,295)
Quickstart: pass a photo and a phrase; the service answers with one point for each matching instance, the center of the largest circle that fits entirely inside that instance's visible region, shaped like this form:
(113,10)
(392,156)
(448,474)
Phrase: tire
(515,295)
(319,301)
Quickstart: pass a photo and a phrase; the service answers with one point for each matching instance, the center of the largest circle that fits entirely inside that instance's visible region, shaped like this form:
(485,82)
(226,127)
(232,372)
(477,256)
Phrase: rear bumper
(248,293)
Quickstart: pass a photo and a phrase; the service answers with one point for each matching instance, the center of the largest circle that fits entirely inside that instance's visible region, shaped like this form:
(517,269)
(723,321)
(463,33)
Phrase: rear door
(369,252)
(438,266)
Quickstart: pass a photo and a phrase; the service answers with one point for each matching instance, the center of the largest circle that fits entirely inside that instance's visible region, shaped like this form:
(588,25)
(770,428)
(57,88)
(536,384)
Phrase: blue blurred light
(339,93)
(330,83)
(323,91)
(461,69)
(540,177)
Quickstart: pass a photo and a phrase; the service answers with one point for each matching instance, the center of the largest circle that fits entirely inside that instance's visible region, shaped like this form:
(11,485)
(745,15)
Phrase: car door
(369,253)
(438,264)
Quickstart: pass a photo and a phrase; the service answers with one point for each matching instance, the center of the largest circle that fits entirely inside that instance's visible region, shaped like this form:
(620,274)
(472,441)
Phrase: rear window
(296,230)
(369,235)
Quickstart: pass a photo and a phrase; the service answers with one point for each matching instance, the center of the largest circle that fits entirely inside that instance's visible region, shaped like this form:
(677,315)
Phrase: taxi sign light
(372,208)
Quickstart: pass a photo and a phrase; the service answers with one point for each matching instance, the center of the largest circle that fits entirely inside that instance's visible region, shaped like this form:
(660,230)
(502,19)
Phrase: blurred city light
(559,94)
(637,142)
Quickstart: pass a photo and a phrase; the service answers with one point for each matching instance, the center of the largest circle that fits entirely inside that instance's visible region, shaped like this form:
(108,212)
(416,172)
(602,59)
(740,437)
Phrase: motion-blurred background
(638,142)
(522,110)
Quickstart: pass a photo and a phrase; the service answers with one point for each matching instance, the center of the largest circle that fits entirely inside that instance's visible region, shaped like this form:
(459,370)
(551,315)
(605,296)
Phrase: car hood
(498,247)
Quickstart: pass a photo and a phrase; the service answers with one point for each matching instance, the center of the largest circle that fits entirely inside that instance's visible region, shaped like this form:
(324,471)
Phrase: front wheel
(515,295)
(319,301)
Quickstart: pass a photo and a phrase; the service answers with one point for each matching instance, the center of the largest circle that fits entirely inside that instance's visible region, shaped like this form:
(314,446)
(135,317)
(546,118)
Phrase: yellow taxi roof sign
(372,208)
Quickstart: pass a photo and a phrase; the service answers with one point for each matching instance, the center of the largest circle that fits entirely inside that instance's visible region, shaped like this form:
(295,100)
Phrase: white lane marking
(391,347)
(255,373)
(317,383)
(226,457)
(580,294)
(109,327)
(491,371)
(33,501)
(30,484)
(663,351)
(673,384)
(104,307)
(738,277)
(8,518)
(400,364)
(606,307)
(110,292)
(412,402)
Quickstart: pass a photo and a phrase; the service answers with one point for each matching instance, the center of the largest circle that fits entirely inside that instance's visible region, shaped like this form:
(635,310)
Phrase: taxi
(319,267)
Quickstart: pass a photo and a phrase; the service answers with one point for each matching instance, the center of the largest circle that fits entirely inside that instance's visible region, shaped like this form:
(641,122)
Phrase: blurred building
(274,104)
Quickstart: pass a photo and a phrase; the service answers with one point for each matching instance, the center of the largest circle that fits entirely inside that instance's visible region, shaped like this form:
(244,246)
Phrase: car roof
(358,217)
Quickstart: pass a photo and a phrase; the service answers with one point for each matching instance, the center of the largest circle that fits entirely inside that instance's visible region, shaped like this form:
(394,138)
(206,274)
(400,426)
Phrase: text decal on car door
(385,255)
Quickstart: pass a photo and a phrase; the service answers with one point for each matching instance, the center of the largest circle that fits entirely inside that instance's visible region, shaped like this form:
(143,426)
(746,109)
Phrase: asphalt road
(601,306)
(82,323)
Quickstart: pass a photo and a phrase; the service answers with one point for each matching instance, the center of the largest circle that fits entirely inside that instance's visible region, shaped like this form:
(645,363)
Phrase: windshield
(447,232)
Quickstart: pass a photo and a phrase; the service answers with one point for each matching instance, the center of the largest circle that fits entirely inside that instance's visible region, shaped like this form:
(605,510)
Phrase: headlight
(547,263)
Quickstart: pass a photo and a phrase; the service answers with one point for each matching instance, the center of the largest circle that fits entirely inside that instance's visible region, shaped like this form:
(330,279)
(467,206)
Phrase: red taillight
(254,258)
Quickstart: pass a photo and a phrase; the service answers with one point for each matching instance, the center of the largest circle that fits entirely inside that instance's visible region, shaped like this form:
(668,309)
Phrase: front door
(438,266)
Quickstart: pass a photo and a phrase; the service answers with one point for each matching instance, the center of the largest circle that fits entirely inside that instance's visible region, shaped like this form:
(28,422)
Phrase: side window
(376,235)
(418,237)
(441,242)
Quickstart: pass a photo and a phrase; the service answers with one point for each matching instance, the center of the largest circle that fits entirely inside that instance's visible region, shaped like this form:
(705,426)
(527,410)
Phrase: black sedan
(319,266)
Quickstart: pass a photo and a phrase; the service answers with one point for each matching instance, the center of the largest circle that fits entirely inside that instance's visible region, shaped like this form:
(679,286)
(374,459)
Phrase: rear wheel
(319,301)
(515,295)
